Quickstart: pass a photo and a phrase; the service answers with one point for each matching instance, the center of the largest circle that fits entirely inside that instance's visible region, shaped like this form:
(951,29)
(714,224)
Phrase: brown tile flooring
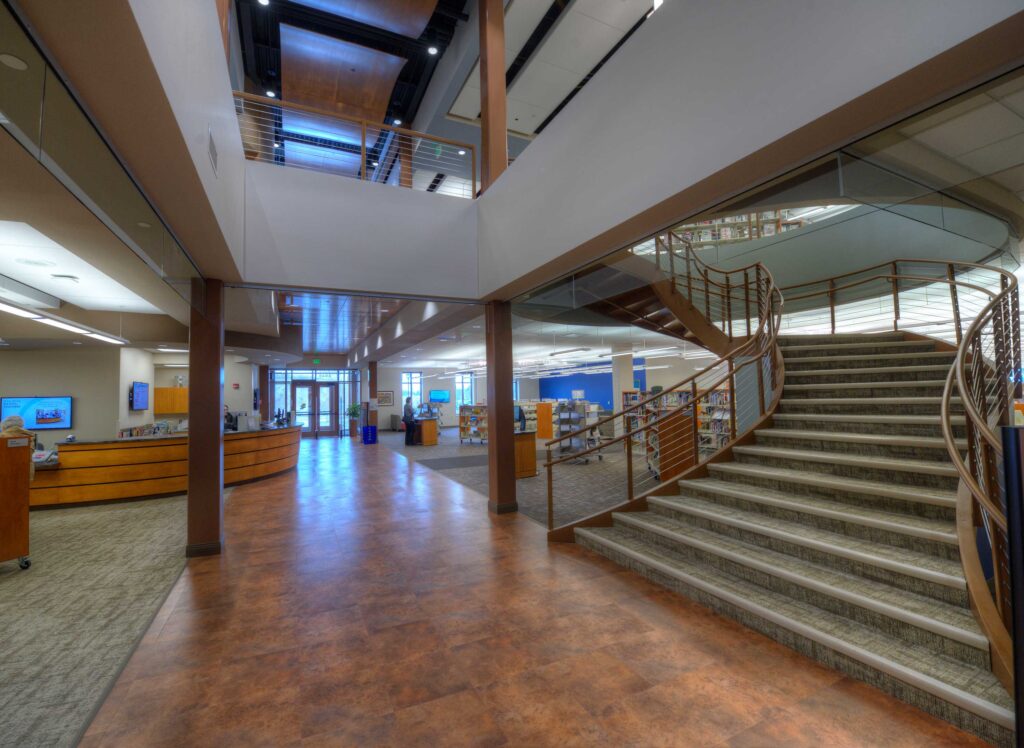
(365,600)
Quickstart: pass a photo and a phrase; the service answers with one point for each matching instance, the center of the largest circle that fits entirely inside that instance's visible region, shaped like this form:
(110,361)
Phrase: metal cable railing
(664,435)
(288,134)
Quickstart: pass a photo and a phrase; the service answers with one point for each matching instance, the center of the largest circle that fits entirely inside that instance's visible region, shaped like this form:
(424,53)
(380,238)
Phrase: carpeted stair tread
(945,572)
(911,524)
(939,369)
(891,401)
(924,420)
(853,346)
(954,621)
(812,339)
(825,481)
(868,462)
(912,384)
(888,357)
(882,440)
(986,696)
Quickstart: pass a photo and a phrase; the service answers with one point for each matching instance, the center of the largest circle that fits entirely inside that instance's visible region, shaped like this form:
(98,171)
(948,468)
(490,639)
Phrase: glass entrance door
(326,409)
(302,398)
(316,407)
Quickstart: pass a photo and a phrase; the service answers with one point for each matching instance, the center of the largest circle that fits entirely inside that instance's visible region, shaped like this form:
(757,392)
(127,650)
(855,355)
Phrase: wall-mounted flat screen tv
(440,396)
(138,396)
(39,413)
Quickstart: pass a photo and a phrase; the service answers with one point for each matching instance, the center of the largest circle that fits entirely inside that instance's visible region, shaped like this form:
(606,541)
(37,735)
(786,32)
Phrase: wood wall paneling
(405,17)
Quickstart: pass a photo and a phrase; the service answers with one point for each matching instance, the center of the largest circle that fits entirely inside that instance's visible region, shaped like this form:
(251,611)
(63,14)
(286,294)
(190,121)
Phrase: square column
(371,415)
(264,385)
(501,450)
(493,101)
(206,419)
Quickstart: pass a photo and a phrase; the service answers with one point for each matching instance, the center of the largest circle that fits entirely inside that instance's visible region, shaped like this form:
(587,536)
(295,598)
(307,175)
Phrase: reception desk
(156,466)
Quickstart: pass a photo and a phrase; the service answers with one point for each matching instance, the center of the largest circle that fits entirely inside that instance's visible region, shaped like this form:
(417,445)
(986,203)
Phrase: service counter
(156,466)
(425,432)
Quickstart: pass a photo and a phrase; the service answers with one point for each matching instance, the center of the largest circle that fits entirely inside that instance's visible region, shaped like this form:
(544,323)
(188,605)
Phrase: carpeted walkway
(69,623)
(581,490)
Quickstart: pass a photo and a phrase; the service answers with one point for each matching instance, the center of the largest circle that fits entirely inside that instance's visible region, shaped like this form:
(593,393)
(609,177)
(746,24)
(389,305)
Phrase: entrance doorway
(316,407)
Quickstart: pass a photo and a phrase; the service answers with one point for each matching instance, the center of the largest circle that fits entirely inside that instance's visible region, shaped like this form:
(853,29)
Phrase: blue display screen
(440,396)
(39,413)
(138,398)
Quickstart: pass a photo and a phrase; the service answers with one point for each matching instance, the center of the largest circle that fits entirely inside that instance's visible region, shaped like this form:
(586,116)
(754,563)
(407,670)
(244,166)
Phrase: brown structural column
(264,385)
(371,416)
(501,451)
(493,105)
(206,418)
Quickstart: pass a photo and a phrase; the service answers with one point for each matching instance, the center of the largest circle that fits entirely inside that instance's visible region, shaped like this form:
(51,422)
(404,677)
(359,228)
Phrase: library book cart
(15,457)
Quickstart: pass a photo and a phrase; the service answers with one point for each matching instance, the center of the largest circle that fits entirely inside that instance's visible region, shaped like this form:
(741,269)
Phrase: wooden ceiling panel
(322,72)
(405,17)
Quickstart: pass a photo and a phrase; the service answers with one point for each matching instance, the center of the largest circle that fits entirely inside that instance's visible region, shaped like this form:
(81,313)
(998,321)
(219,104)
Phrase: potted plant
(355,412)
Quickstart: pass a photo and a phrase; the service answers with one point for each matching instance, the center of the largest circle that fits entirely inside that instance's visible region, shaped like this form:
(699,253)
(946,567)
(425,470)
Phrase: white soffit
(582,36)
(521,18)
(34,259)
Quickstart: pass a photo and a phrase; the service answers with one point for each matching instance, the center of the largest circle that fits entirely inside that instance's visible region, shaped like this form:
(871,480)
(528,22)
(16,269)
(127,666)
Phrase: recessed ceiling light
(65,277)
(462,152)
(35,263)
(431,50)
(271,94)
(76,342)
(376,164)
(398,122)
(14,63)
(144,225)
(174,350)
(264,2)
(277,145)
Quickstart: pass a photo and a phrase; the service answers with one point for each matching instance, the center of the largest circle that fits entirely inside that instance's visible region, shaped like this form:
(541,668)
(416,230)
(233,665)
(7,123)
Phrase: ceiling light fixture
(462,152)
(271,95)
(567,350)
(18,312)
(104,338)
(174,350)
(62,325)
(14,63)
(397,122)
(34,263)
(431,50)
(264,2)
(277,145)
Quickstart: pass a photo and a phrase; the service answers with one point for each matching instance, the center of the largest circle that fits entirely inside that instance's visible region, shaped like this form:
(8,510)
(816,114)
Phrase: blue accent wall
(597,388)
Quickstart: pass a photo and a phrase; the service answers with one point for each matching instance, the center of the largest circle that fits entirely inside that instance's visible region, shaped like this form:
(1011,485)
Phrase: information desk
(156,466)
(425,432)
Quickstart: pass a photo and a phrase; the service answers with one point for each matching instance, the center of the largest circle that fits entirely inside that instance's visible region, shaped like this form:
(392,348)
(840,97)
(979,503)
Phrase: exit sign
(316,361)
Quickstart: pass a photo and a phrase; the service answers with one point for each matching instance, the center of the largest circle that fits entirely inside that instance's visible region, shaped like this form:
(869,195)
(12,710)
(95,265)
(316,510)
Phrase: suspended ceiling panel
(406,17)
(582,36)
(521,18)
(330,74)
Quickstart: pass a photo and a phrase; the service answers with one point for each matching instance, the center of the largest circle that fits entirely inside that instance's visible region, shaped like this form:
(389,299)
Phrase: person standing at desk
(409,419)
(230,421)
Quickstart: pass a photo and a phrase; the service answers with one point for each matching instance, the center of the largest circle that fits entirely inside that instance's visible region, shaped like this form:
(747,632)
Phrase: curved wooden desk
(156,466)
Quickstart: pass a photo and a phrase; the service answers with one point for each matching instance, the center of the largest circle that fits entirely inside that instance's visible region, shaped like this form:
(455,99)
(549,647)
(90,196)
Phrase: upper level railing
(663,435)
(974,308)
(308,138)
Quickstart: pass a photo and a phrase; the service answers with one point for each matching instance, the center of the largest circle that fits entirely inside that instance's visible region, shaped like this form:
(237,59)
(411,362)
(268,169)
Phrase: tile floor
(364,600)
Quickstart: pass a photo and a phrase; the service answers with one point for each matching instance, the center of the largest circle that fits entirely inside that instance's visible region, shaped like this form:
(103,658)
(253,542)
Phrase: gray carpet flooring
(580,489)
(68,624)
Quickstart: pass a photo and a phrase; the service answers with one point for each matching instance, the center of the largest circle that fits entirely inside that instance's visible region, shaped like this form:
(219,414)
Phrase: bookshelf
(472,423)
(714,421)
(739,228)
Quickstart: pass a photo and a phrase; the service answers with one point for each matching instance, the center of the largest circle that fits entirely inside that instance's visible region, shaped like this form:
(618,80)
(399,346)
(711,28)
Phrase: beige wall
(136,365)
(391,379)
(91,376)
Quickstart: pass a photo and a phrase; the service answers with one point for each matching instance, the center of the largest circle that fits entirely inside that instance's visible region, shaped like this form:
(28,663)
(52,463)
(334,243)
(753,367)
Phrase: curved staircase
(834,531)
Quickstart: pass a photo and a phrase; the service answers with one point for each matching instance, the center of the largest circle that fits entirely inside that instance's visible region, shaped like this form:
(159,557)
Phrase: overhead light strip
(61,324)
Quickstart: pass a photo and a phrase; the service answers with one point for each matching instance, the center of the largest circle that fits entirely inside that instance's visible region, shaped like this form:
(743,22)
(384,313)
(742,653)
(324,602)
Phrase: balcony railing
(308,138)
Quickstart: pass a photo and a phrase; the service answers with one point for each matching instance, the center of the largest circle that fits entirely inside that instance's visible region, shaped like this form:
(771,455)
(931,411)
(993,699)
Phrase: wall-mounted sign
(577,394)
(316,361)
